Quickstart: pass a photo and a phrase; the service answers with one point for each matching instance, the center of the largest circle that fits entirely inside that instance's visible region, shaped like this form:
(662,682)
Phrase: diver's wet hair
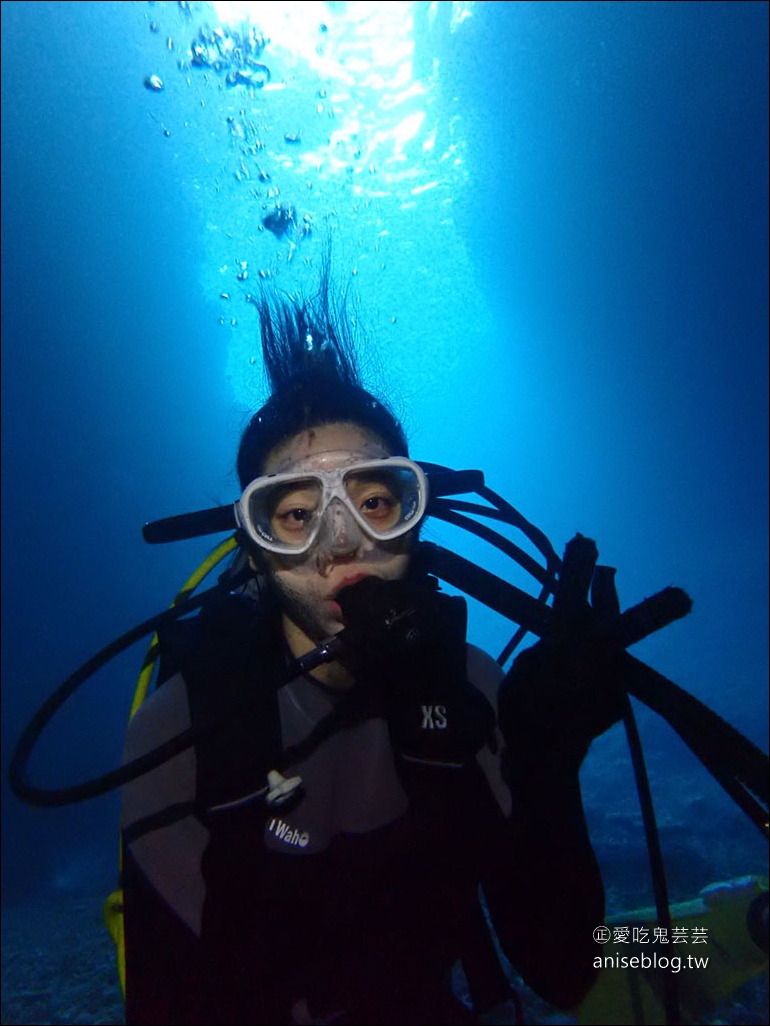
(312,369)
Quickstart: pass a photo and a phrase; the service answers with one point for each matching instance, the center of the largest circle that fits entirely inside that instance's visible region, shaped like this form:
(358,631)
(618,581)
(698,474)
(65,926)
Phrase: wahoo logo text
(433,717)
(287,834)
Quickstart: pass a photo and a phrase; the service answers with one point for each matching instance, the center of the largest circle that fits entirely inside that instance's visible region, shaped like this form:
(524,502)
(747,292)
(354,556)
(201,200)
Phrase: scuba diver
(349,897)
(330,798)
(346,890)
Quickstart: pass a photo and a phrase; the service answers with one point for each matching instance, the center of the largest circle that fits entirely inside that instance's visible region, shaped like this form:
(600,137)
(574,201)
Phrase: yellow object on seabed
(728,922)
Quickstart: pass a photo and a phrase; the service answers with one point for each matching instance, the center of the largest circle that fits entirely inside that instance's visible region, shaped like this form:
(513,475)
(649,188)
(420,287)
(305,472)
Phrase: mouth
(353,579)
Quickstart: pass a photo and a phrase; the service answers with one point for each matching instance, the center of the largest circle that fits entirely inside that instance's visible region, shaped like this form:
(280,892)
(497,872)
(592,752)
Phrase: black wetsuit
(356,902)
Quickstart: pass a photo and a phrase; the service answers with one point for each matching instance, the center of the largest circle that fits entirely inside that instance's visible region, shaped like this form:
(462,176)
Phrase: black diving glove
(569,687)
(406,640)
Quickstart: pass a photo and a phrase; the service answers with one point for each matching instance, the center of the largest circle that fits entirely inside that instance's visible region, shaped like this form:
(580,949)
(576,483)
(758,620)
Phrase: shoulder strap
(229,659)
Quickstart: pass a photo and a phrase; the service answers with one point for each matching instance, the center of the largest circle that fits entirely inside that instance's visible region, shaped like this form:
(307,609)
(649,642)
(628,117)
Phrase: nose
(339,538)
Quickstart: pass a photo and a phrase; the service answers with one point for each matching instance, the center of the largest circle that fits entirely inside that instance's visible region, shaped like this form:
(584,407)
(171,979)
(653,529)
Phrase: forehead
(309,447)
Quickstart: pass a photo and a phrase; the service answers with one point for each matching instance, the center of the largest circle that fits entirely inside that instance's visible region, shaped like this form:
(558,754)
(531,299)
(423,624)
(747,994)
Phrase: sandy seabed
(58,965)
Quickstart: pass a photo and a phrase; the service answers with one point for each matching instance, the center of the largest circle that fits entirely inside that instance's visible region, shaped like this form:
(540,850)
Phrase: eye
(378,506)
(292,524)
(295,516)
(293,512)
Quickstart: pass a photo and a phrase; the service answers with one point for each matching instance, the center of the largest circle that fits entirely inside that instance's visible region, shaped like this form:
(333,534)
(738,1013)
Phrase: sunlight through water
(300,123)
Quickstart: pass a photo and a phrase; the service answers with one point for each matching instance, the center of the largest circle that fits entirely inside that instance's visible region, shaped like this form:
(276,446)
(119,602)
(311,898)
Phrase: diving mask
(285,513)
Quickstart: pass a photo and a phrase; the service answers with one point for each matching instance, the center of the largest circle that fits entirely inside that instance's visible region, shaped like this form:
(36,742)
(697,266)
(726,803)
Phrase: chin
(317,629)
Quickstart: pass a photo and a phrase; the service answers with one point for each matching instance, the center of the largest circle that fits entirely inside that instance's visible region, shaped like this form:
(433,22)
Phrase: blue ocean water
(552,218)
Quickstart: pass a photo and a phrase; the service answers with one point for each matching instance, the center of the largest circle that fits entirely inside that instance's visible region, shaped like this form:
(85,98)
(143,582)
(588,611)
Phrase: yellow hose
(189,586)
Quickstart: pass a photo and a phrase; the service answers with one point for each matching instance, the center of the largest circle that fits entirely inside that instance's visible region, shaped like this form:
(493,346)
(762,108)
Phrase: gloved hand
(569,687)
(407,639)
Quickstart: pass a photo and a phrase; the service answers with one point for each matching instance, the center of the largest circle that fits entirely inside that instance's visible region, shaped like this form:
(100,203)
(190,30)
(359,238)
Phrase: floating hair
(312,368)
(305,340)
